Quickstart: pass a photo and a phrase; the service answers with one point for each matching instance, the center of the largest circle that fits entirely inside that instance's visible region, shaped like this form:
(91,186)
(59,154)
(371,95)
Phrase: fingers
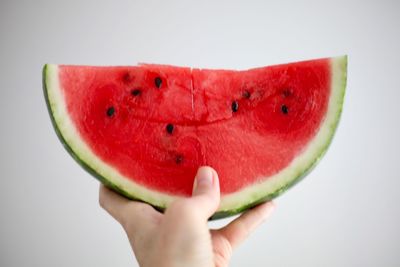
(130,214)
(206,195)
(205,198)
(239,229)
(112,203)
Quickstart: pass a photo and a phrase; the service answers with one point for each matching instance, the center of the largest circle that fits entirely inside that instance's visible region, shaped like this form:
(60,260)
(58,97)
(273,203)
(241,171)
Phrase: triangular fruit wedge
(144,130)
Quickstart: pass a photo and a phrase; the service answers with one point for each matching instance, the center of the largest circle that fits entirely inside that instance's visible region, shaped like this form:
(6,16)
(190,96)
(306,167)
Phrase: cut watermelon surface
(144,130)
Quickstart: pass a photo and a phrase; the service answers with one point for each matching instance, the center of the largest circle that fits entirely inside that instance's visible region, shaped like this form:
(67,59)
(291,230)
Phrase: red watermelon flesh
(156,124)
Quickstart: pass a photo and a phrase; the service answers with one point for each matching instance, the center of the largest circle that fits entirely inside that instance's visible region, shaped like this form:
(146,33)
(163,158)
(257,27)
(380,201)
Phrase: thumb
(206,194)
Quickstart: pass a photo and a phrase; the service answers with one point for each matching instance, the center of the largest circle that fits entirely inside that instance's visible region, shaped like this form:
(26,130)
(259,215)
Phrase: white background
(345,213)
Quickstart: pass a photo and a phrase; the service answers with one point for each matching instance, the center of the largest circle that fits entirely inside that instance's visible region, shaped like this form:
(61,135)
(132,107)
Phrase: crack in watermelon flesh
(156,124)
(256,141)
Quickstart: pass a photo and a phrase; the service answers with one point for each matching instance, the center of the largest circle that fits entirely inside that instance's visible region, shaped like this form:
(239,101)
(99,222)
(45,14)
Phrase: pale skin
(181,236)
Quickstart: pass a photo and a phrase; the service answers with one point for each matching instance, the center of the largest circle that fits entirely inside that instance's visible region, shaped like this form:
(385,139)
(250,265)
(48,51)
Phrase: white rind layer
(230,203)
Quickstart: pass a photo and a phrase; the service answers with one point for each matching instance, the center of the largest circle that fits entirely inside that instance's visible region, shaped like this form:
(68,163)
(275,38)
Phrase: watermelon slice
(144,130)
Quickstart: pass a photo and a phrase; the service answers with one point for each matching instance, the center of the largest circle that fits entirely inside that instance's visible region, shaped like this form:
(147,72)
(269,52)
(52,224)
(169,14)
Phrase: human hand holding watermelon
(181,236)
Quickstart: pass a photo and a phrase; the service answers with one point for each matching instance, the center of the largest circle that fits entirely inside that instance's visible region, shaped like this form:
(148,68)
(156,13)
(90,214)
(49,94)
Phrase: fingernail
(204,178)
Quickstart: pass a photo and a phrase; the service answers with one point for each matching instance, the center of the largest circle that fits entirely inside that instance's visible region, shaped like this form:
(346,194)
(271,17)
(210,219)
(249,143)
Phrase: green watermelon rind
(230,204)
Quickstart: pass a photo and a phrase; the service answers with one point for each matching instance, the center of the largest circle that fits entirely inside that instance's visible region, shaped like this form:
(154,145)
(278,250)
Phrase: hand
(181,236)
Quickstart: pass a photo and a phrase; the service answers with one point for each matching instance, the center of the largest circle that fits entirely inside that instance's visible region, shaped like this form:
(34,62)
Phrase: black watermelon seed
(178,159)
(110,111)
(158,82)
(136,92)
(246,94)
(284,109)
(169,128)
(235,106)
